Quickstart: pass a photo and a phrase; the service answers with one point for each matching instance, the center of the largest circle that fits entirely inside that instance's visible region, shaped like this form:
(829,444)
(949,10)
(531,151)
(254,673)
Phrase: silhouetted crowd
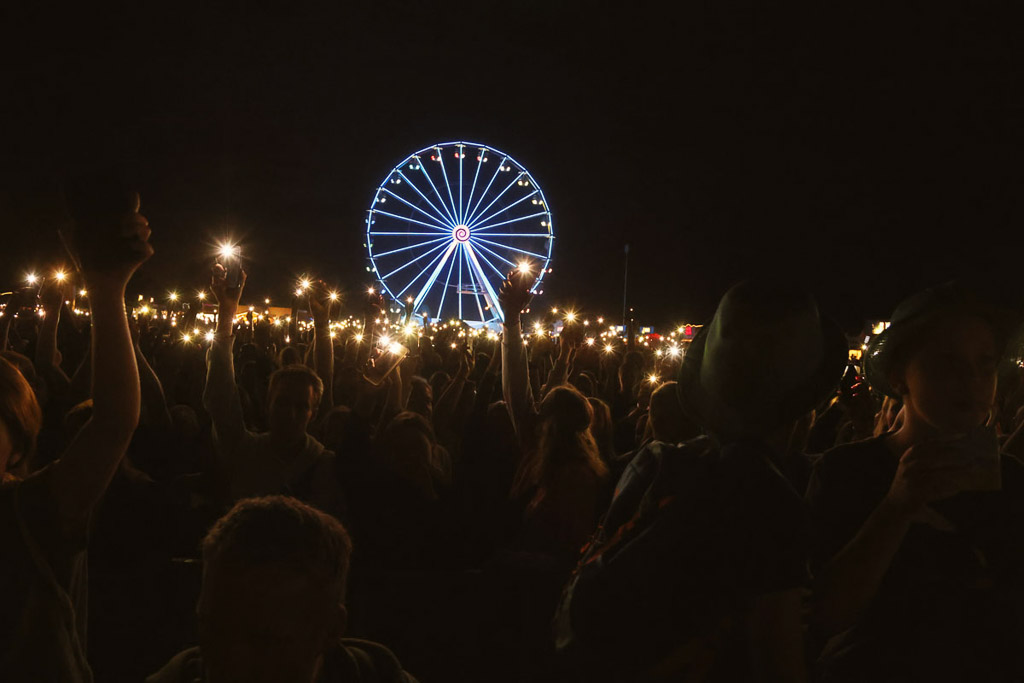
(278,503)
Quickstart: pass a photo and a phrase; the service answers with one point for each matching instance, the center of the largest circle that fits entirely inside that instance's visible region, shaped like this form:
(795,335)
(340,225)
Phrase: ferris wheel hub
(461,233)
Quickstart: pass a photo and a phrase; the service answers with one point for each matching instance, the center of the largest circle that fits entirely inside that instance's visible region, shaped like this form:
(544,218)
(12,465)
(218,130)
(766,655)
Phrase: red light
(688,331)
(432,157)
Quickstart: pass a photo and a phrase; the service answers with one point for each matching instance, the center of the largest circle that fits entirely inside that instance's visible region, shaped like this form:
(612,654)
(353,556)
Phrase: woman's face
(951,382)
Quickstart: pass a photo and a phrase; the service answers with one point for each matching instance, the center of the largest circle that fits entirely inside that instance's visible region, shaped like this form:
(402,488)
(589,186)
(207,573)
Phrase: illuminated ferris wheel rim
(457,225)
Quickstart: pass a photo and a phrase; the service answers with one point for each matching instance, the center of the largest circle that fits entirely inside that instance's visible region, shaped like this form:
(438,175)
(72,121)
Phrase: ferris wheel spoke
(433,276)
(515,249)
(494,176)
(440,214)
(493,253)
(412,246)
(504,209)
(448,186)
(411,220)
(472,283)
(404,234)
(491,296)
(412,261)
(462,157)
(441,224)
(440,199)
(486,260)
(472,189)
(481,228)
(499,196)
(444,289)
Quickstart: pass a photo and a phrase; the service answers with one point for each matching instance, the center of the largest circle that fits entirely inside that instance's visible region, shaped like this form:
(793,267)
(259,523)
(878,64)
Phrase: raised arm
(515,375)
(220,396)
(154,403)
(323,358)
(82,473)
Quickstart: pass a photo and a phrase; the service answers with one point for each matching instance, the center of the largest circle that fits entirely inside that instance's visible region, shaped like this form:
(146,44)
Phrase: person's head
(585,383)
(289,356)
(940,357)
(421,397)
(667,420)
(411,451)
(565,438)
(273,594)
(945,373)
(20,418)
(766,359)
(292,400)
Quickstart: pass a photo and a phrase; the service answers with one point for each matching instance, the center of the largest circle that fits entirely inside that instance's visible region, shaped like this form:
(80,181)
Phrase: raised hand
(514,294)
(320,303)
(227,297)
(109,245)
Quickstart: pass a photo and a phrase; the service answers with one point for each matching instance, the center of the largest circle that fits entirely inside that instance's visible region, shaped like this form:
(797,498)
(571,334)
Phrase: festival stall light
(209,336)
(186,337)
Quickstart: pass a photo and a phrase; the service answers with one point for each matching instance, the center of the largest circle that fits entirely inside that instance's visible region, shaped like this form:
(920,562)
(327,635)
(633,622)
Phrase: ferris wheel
(449,222)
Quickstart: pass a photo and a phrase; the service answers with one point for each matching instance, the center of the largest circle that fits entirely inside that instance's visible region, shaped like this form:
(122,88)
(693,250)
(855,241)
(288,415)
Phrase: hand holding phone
(383,361)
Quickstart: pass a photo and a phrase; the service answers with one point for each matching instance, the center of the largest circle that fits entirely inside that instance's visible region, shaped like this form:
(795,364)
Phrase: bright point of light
(266,301)
(600,321)
(359,336)
(384,341)
(409,299)
(201,295)
(673,350)
(523,267)
(173,296)
(333,334)
(81,292)
(370,290)
(304,283)
(590,341)
(570,316)
(333,296)
(144,310)
(277,322)
(394,347)
(608,348)
(554,311)
(226,250)
(186,337)
(652,379)
(60,275)
(31,278)
(453,345)
(209,336)
(657,352)
(298,292)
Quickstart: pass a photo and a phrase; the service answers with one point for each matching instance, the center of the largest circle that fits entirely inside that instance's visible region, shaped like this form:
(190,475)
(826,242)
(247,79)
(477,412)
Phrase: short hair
(19,409)
(301,373)
(283,531)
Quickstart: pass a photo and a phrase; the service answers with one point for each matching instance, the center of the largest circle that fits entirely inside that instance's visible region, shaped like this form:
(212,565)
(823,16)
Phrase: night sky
(867,153)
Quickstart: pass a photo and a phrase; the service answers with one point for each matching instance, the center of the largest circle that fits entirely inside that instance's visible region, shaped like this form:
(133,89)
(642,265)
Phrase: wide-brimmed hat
(766,358)
(916,315)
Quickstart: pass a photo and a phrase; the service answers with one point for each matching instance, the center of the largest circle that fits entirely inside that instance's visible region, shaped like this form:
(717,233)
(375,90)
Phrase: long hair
(565,441)
(19,411)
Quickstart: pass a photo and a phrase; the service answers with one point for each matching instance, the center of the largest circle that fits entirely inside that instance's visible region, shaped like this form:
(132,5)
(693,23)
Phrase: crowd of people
(280,504)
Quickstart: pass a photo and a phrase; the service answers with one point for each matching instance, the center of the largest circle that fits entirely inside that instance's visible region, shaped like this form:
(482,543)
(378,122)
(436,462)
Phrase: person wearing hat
(703,581)
(917,533)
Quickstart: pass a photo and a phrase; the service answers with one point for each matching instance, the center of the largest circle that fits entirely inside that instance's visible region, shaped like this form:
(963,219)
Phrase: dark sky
(866,153)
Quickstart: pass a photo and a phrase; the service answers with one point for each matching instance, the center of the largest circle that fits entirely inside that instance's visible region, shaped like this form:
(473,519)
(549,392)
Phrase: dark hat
(766,358)
(916,314)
